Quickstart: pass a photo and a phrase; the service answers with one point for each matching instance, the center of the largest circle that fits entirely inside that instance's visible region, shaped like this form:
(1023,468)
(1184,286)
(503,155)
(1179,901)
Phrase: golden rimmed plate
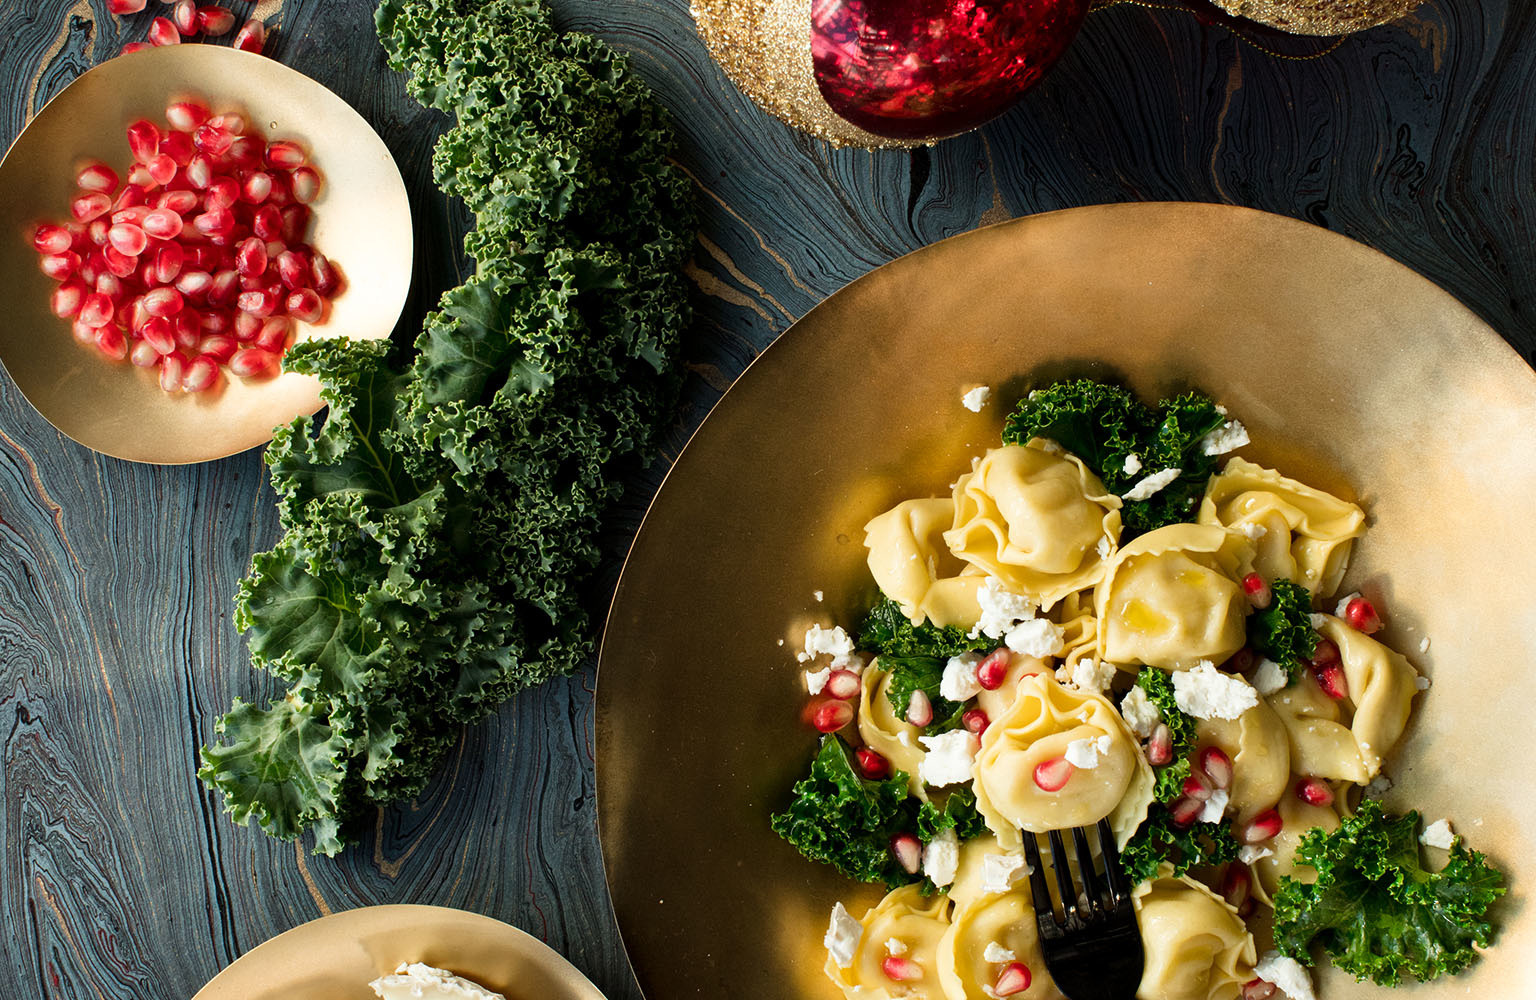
(1353,374)
(336,957)
(362,221)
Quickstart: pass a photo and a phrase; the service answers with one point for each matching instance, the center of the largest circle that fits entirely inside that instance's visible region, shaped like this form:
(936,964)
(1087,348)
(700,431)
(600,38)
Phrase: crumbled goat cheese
(1092,676)
(1104,548)
(1207,693)
(1050,447)
(1148,485)
(1252,530)
(976,398)
(1287,974)
(1132,464)
(1001,609)
(832,642)
(949,758)
(895,946)
(1084,753)
(941,858)
(1421,682)
(1269,677)
(1438,834)
(1250,853)
(997,954)
(1424,644)
(959,681)
(815,680)
(842,938)
(1000,871)
(1139,712)
(1215,806)
(417,979)
(1318,621)
(1378,787)
(1230,436)
(819,595)
(1343,605)
(1037,637)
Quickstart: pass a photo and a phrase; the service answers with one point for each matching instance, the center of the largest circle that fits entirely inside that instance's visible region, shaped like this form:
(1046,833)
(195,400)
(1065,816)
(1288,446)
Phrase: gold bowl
(337,956)
(362,221)
(1353,374)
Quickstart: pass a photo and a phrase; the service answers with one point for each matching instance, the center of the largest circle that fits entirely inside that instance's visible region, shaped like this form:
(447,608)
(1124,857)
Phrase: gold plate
(1353,374)
(336,957)
(362,221)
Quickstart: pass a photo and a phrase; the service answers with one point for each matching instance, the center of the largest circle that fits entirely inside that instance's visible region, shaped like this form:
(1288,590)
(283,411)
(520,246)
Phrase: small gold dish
(362,221)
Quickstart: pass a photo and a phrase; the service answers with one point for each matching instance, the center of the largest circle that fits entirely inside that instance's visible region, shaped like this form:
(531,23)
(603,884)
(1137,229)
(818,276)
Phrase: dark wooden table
(121,879)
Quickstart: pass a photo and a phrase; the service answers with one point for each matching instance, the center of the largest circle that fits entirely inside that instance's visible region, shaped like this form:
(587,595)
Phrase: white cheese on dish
(1088,675)
(415,980)
(999,872)
(815,680)
(1148,485)
(959,681)
(895,946)
(1132,464)
(976,398)
(1438,834)
(1037,637)
(949,758)
(1230,436)
(1288,975)
(1318,621)
(1139,712)
(1343,605)
(1207,693)
(941,858)
(1269,677)
(1084,753)
(833,642)
(1215,806)
(1001,609)
(1250,853)
(1252,530)
(997,954)
(843,935)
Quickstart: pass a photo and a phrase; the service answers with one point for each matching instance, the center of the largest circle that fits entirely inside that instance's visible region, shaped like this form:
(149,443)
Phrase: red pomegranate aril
(1314,791)
(1236,884)
(163,32)
(178,147)
(295,223)
(841,684)
(186,115)
(908,851)
(215,222)
(1332,680)
(97,177)
(990,672)
(282,190)
(118,262)
(829,716)
(202,374)
(1160,746)
(1185,811)
(899,969)
(111,286)
(253,282)
(328,283)
(184,17)
(173,368)
(251,258)
(1262,827)
(245,153)
(873,764)
(222,192)
(246,326)
(137,317)
(1015,978)
(160,334)
(1326,654)
(1257,590)
(1361,615)
(134,46)
(163,224)
(199,171)
(163,301)
(217,321)
(122,7)
(1196,787)
(209,138)
(111,342)
(975,720)
(143,354)
(206,258)
(251,37)
(305,305)
(188,330)
(90,206)
(285,155)
(143,139)
(1216,765)
(169,261)
(306,184)
(68,298)
(1240,662)
(49,238)
(161,169)
(59,266)
(194,284)
(292,270)
(140,177)
(1258,989)
(261,302)
(215,20)
(179,202)
(83,333)
(919,708)
(133,215)
(221,348)
(1052,775)
(267,222)
(225,287)
(256,188)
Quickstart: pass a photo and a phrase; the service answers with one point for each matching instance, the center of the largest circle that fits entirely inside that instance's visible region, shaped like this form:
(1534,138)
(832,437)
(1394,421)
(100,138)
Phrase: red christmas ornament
(925,69)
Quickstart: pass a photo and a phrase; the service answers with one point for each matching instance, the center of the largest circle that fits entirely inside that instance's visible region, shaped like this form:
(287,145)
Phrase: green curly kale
(1104,425)
(958,813)
(1160,840)
(1158,686)
(1377,910)
(920,673)
(1283,631)
(842,819)
(439,545)
(887,631)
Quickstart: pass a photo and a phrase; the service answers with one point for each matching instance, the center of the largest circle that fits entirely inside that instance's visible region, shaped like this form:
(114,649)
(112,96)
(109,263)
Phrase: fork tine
(1063,878)
(1040,895)
(1113,873)
(1085,872)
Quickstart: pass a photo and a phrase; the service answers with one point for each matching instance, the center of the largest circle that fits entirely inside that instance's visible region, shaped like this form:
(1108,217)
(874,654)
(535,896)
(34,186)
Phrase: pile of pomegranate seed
(198,261)
(1328,670)
(1211,770)
(187,20)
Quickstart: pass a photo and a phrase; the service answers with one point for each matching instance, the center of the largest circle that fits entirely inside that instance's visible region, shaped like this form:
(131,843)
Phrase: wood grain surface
(121,879)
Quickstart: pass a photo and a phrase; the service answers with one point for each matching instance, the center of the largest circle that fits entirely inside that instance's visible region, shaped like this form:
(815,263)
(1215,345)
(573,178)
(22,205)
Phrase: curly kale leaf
(1160,840)
(1283,631)
(840,818)
(921,673)
(1377,910)
(958,813)
(1158,686)
(1177,442)
(887,630)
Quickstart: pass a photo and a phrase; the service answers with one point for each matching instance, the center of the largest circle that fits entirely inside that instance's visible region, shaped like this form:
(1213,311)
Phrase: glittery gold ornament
(1319,17)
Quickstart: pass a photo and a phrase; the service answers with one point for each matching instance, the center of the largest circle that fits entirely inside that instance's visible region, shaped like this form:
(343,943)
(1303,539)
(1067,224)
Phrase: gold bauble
(1319,17)
(764,46)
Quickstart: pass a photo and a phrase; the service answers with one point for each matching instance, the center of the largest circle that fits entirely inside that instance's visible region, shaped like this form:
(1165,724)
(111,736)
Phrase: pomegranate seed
(202,372)
(163,224)
(1262,827)
(226,285)
(1185,811)
(188,330)
(1325,655)
(159,334)
(163,32)
(161,168)
(194,283)
(118,262)
(295,223)
(1052,775)
(1258,989)
(306,306)
(829,716)
(292,270)
(841,684)
(133,215)
(121,7)
(68,298)
(1014,978)
(215,222)
(221,348)
(273,336)
(246,326)
(173,368)
(285,155)
(251,258)
(206,258)
(50,238)
(975,720)
(306,184)
(245,153)
(111,342)
(180,202)
(873,764)
(1314,792)
(169,261)
(908,852)
(184,16)
(84,334)
(990,672)
(217,321)
(1160,746)
(199,171)
(186,115)
(211,139)
(328,283)
(1236,884)
(96,310)
(163,301)
(282,190)
(919,708)
(97,177)
(1259,594)
(260,303)
(90,206)
(1361,616)
(223,192)
(251,37)
(232,122)
(1196,787)
(215,20)
(143,354)
(1332,680)
(899,969)
(134,46)
(177,146)
(267,222)
(137,317)
(1240,662)
(139,177)
(257,187)
(59,266)
(1216,765)
(143,139)
(111,286)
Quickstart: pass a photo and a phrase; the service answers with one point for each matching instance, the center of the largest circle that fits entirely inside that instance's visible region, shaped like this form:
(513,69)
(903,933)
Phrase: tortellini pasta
(998,701)
(914,568)
(1307,534)
(891,736)
(1171,598)
(1261,759)
(917,924)
(1196,945)
(1296,818)
(1006,921)
(1037,520)
(1043,719)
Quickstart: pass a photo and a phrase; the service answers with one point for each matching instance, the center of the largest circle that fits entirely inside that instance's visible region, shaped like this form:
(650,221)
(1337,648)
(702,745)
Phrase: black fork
(1093,948)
